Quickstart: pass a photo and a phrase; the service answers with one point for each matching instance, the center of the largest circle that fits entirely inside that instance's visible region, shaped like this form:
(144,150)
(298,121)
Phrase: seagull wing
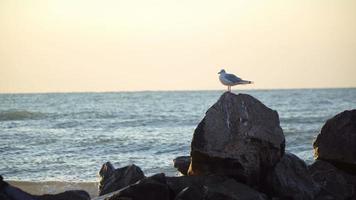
(232,78)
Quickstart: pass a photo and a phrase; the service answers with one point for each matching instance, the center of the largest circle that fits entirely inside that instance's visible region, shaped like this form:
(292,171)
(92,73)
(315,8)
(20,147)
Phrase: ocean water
(68,136)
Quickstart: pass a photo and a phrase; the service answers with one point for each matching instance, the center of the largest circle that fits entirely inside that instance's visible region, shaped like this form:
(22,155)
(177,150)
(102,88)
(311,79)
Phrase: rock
(182,163)
(290,179)
(174,183)
(107,169)
(9,192)
(336,142)
(238,137)
(151,188)
(331,180)
(114,179)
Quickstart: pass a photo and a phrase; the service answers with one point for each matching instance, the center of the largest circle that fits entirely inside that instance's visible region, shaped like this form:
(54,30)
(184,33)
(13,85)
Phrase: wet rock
(151,188)
(331,180)
(290,179)
(238,137)
(182,163)
(114,179)
(336,142)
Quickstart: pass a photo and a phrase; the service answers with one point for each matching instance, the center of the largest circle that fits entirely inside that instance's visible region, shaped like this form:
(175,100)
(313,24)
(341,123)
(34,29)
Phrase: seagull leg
(229,88)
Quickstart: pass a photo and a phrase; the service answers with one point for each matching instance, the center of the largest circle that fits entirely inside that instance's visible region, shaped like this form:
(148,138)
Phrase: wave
(53,187)
(11,115)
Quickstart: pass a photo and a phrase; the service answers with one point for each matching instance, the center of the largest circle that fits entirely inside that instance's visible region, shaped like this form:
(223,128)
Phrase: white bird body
(231,80)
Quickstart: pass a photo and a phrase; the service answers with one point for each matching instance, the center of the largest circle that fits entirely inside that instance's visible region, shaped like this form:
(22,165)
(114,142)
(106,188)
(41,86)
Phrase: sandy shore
(53,187)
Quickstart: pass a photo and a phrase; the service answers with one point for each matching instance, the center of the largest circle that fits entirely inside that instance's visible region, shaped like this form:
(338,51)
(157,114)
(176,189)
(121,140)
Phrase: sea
(67,137)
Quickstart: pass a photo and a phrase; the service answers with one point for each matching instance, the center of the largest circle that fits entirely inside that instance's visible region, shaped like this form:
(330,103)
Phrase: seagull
(231,80)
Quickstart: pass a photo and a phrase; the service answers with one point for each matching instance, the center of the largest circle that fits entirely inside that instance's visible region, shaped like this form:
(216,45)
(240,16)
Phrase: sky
(135,45)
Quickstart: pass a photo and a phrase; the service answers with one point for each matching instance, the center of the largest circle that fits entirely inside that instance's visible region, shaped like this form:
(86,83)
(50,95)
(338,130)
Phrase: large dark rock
(336,142)
(114,179)
(9,192)
(332,181)
(151,188)
(182,163)
(290,179)
(238,137)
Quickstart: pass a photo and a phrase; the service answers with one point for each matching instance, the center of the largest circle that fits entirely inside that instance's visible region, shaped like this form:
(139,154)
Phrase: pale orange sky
(101,45)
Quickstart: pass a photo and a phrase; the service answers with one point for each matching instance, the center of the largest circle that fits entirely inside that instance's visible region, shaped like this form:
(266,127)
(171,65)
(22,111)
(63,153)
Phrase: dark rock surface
(192,193)
(290,179)
(182,163)
(177,184)
(67,195)
(238,137)
(351,180)
(114,179)
(185,188)
(336,142)
(151,188)
(211,187)
(230,189)
(332,181)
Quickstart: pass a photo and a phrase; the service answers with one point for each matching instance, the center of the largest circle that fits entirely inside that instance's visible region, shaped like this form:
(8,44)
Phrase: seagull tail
(246,82)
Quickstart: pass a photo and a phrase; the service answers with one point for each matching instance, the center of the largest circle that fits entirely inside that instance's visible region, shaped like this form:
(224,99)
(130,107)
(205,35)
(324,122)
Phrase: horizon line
(179,90)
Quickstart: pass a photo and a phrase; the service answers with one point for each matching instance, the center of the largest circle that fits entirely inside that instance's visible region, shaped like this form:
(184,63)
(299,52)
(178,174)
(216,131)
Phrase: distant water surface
(68,136)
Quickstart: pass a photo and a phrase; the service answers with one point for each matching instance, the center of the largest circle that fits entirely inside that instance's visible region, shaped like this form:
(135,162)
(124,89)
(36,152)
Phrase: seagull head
(222,71)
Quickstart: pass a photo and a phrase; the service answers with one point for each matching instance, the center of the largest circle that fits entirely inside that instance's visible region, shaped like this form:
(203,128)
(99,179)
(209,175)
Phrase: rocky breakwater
(237,153)
(239,137)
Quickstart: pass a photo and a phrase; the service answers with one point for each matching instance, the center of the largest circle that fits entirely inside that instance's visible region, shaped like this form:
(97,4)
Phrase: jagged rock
(175,184)
(151,188)
(290,179)
(185,188)
(331,180)
(9,192)
(182,163)
(114,179)
(238,137)
(336,142)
